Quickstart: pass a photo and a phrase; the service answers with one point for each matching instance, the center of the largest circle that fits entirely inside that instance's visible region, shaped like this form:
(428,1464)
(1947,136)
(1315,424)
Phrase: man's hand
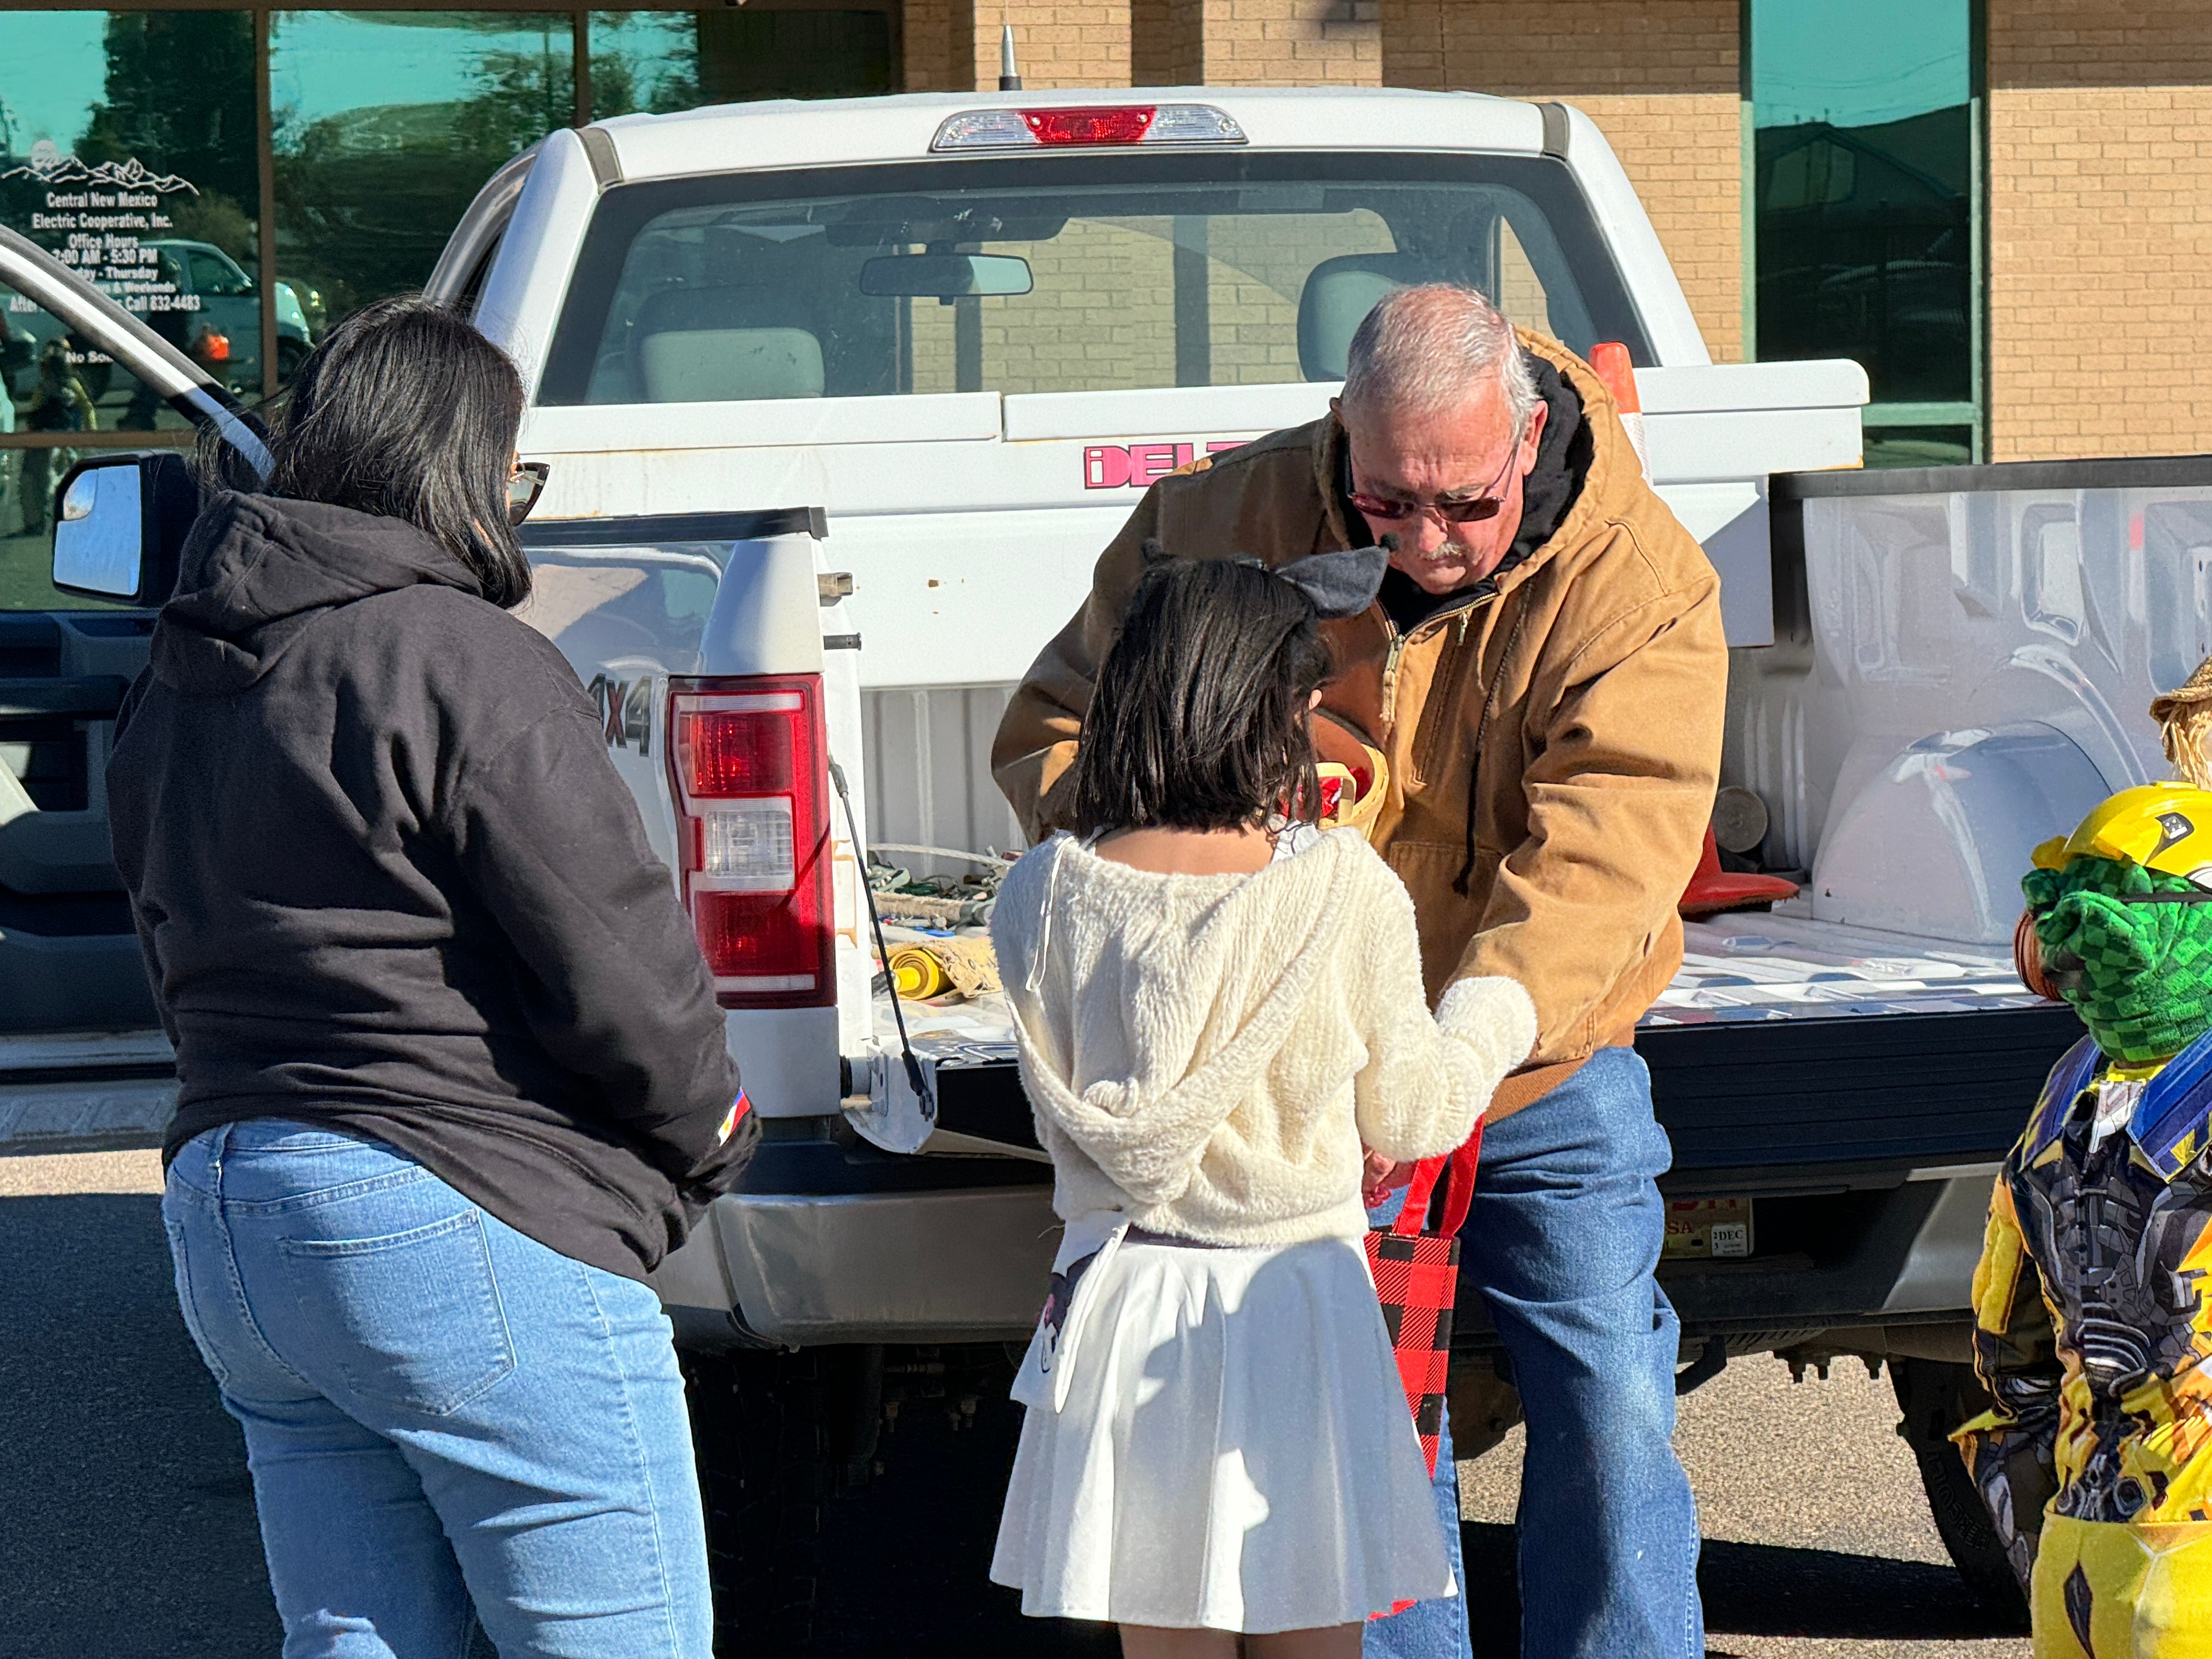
(1380,1178)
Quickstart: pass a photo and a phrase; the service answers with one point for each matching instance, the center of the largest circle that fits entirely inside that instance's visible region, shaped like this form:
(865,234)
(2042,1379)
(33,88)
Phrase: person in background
(16,354)
(1214,1009)
(1544,672)
(58,402)
(453,1077)
(2092,1332)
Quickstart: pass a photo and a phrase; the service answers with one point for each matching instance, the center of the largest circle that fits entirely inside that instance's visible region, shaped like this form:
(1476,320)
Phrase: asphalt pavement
(127,1530)
(126,1518)
(1817,1535)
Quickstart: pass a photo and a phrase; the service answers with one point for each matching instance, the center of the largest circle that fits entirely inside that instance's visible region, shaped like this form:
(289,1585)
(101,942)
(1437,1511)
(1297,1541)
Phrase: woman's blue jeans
(1562,1241)
(441,1415)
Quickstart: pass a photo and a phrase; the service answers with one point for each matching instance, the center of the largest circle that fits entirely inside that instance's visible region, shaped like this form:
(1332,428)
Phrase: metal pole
(264,142)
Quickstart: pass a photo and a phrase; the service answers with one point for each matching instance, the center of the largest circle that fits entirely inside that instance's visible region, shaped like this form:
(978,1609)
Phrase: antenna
(1010,76)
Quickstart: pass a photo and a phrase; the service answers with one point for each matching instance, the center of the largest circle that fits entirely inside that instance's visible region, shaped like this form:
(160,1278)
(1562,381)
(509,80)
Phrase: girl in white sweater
(1212,1029)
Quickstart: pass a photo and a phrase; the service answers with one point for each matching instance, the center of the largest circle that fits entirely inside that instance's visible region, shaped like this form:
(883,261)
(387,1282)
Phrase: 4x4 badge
(625,711)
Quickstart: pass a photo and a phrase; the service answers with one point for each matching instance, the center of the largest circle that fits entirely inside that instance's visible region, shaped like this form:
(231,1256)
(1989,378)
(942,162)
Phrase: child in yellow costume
(2092,1321)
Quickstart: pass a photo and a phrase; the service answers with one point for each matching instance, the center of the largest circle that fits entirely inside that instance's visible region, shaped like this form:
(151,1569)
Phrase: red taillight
(751,775)
(1122,126)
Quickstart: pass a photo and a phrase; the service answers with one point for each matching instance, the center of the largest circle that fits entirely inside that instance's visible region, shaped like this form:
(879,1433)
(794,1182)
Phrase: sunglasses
(1473,510)
(524,486)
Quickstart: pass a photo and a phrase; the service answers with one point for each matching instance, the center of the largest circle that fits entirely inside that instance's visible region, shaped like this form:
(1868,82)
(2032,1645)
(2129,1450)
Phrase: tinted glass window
(387,124)
(126,141)
(658,61)
(1866,201)
(1057,275)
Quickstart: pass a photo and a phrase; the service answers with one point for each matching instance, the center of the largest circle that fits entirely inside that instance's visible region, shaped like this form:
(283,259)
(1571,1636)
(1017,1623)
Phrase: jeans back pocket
(411,1321)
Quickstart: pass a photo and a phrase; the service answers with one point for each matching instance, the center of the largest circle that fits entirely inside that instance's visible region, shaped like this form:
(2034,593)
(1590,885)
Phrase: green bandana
(2139,975)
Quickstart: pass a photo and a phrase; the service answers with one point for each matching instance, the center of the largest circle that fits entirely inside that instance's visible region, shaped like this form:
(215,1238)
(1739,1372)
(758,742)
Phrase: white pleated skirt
(1221,1442)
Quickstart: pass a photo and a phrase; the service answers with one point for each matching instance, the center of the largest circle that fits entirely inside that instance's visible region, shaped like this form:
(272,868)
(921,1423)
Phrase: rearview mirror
(945,276)
(119,526)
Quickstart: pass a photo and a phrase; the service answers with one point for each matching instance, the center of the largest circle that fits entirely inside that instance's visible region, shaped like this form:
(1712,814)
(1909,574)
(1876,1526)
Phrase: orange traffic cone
(1610,359)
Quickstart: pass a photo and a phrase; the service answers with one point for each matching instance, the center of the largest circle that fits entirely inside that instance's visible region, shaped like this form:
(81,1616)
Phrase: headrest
(724,343)
(1337,297)
(728,365)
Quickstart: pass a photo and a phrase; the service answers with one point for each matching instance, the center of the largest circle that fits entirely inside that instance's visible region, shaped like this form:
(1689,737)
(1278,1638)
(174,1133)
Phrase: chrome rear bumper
(970,1265)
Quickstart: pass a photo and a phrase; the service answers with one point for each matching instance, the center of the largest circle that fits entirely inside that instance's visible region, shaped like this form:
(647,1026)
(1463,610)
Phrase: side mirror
(120,525)
(945,276)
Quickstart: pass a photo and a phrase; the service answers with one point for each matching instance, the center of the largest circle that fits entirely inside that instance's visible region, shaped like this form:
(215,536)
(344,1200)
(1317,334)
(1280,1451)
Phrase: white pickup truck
(841,400)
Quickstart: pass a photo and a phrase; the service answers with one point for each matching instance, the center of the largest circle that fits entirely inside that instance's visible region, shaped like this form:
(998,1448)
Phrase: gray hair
(1424,349)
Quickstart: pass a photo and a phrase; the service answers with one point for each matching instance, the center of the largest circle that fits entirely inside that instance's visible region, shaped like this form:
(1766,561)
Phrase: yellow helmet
(2166,827)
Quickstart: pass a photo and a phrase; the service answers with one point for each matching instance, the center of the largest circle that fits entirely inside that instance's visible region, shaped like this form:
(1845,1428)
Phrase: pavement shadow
(126,1515)
(916,1545)
(1760,1590)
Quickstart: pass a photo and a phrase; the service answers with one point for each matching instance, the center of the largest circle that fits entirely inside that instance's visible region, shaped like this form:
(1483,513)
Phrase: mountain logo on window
(49,166)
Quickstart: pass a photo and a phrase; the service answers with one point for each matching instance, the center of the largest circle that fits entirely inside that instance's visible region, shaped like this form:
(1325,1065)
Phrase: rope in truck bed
(941,966)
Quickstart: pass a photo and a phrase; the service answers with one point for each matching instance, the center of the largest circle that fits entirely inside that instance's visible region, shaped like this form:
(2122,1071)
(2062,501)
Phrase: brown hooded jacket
(1552,732)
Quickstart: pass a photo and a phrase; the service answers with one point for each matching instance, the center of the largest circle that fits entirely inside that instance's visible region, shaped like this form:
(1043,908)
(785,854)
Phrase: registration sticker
(1703,1229)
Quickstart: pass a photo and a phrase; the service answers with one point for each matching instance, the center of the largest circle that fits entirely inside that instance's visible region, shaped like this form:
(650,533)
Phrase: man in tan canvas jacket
(1545,672)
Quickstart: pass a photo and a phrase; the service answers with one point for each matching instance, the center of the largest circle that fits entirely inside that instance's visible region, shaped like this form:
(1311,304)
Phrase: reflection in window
(658,62)
(54,391)
(126,147)
(1917,446)
(387,124)
(1864,198)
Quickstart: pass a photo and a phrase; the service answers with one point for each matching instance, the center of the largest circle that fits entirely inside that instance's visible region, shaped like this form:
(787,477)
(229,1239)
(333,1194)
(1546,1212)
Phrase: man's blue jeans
(437,1410)
(1563,1239)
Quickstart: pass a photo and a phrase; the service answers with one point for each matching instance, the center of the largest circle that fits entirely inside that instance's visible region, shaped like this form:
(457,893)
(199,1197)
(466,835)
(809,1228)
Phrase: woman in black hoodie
(452,1076)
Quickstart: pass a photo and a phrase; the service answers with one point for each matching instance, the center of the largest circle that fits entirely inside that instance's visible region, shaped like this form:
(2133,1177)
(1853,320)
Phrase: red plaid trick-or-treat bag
(1417,1276)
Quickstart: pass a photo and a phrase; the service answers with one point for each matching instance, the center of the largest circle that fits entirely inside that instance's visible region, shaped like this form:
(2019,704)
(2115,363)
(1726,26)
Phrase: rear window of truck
(1090,273)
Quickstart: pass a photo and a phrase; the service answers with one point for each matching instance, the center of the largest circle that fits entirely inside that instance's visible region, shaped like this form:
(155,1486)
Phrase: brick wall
(1154,58)
(925,45)
(952,45)
(1100,317)
(2100,228)
(1658,76)
(1106,312)
(1256,43)
(1065,44)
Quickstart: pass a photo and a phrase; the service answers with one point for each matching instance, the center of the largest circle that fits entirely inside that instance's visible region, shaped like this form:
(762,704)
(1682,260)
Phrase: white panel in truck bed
(1755,965)
(1750,966)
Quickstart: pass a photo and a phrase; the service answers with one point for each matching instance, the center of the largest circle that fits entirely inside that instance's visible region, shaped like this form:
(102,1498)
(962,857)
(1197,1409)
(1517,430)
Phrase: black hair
(406,411)
(1197,721)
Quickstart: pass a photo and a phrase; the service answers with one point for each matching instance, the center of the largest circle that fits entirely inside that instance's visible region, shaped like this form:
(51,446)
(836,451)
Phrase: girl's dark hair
(405,410)
(1198,718)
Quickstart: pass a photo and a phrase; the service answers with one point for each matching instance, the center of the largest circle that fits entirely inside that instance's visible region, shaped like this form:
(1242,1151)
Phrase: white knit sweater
(1204,1054)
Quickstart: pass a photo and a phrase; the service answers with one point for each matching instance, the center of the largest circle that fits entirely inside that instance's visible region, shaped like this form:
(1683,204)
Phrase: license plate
(1708,1229)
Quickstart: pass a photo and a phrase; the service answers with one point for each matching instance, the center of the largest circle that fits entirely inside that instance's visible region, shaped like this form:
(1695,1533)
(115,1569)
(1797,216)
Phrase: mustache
(1451,552)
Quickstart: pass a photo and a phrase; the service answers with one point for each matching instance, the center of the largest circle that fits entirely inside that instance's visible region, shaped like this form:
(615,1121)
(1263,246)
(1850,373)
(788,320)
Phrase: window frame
(1971,412)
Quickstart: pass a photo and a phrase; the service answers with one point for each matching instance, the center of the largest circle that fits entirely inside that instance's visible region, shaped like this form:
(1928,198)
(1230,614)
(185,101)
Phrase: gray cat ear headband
(1339,584)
